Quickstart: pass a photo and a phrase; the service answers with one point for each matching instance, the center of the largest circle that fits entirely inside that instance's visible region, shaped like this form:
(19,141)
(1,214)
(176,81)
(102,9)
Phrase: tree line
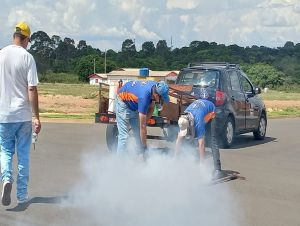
(270,67)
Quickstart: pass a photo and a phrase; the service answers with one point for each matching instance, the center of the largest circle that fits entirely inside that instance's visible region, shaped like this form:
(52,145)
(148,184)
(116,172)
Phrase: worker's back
(137,95)
(17,72)
(203,111)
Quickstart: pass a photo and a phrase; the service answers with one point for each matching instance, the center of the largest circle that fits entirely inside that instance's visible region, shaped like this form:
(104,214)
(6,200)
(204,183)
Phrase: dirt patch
(78,105)
(72,104)
(282,104)
(67,104)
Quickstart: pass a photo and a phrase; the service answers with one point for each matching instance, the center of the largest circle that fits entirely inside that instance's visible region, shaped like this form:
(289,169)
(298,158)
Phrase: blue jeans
(126,119)
(16,136)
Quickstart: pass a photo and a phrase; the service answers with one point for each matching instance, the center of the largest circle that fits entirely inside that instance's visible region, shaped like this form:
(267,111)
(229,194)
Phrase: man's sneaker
(218,174)
(6,190)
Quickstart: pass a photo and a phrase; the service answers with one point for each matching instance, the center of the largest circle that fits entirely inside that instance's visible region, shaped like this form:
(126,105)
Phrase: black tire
(112,137)
(227,136)
(260,133)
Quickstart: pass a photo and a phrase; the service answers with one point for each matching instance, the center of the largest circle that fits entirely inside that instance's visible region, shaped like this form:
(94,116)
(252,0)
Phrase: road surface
(267,192)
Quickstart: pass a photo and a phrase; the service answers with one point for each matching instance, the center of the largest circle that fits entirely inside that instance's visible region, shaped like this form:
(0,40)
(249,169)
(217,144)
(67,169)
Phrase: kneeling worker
(192,123)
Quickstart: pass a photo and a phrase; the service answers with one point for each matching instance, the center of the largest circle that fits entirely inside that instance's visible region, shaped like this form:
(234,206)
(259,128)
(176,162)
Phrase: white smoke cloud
(115,191)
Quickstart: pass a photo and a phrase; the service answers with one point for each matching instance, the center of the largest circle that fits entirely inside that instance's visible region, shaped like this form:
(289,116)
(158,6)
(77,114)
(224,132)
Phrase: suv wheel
(260,133)
(112,137)
(228,134)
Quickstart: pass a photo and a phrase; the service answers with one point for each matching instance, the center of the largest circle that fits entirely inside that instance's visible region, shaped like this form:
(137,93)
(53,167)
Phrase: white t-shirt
(17,72)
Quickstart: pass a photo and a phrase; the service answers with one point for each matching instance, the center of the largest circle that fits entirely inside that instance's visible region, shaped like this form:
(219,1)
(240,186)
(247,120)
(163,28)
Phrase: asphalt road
(266,193)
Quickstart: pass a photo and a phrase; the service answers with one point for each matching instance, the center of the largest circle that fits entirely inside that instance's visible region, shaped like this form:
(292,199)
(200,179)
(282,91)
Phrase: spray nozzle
(159,106)
(34,139)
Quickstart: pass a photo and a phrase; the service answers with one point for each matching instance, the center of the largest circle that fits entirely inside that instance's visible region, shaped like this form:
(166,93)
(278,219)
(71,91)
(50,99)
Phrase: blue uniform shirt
(137,95)
(203,111)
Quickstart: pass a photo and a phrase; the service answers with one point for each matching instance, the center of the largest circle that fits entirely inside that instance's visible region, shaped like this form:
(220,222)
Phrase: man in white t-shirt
(19,112)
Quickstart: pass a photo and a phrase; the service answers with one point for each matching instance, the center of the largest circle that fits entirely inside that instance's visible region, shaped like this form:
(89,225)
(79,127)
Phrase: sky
(105,24)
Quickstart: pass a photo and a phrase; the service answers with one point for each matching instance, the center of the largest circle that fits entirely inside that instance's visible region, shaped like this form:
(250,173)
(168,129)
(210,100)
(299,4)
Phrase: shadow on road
(244,141)
(44,200)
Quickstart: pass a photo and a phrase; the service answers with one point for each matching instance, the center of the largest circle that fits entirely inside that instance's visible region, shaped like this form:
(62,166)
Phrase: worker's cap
(183,124)
(203,94)
(163,90)
(23,29)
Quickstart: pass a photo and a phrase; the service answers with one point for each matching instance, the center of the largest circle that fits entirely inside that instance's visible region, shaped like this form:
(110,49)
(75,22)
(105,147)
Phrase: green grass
(59,78)
(284,113)
(86,91)
(280,95)
(91,92)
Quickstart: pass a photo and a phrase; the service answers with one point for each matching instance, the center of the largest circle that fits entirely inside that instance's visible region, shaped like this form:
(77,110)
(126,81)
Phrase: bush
(265,75)
(59,78)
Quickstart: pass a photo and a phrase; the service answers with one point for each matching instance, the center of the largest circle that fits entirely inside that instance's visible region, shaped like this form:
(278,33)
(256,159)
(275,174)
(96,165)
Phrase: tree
(42,49)
(66,52)
(148,48)
(41,44)
(81,45)
(199,45)
(265,75)
(85,66)
(55,40)
(162,47)
(128,46)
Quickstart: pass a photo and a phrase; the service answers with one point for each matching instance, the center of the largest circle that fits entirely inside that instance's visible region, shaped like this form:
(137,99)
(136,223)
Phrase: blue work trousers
(126,120)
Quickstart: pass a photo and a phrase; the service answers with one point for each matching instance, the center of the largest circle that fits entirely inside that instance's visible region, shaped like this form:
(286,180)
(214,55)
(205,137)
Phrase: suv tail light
(220,98)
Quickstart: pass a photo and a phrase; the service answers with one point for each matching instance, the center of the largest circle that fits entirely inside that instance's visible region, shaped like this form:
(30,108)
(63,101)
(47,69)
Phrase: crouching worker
(135,104)
(192,123)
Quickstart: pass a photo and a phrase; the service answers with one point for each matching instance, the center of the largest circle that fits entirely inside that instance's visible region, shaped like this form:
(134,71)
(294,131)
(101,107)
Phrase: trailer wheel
(112,137)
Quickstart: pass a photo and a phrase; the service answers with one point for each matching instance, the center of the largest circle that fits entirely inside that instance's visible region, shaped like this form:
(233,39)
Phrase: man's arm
(143,128)
(201,148)
(150,110)
(33,98)
(178,144)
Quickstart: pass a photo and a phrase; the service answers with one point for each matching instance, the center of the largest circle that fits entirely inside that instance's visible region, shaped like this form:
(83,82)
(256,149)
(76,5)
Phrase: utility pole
(105,62)
(94,66)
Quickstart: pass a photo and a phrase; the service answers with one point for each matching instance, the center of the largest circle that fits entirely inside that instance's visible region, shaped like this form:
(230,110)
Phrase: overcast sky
(106,24)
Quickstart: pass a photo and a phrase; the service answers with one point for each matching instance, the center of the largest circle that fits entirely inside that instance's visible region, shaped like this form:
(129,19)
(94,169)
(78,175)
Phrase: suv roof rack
(213,64)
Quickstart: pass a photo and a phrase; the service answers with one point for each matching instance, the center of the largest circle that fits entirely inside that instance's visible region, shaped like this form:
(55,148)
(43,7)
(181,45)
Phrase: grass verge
(283,113)
(85,91)
(280,95)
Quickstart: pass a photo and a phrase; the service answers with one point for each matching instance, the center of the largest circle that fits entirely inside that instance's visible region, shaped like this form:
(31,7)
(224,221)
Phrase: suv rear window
(206,78)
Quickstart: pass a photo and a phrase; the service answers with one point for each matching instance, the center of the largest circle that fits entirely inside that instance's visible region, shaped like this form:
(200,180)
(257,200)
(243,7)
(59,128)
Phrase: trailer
(166,119)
